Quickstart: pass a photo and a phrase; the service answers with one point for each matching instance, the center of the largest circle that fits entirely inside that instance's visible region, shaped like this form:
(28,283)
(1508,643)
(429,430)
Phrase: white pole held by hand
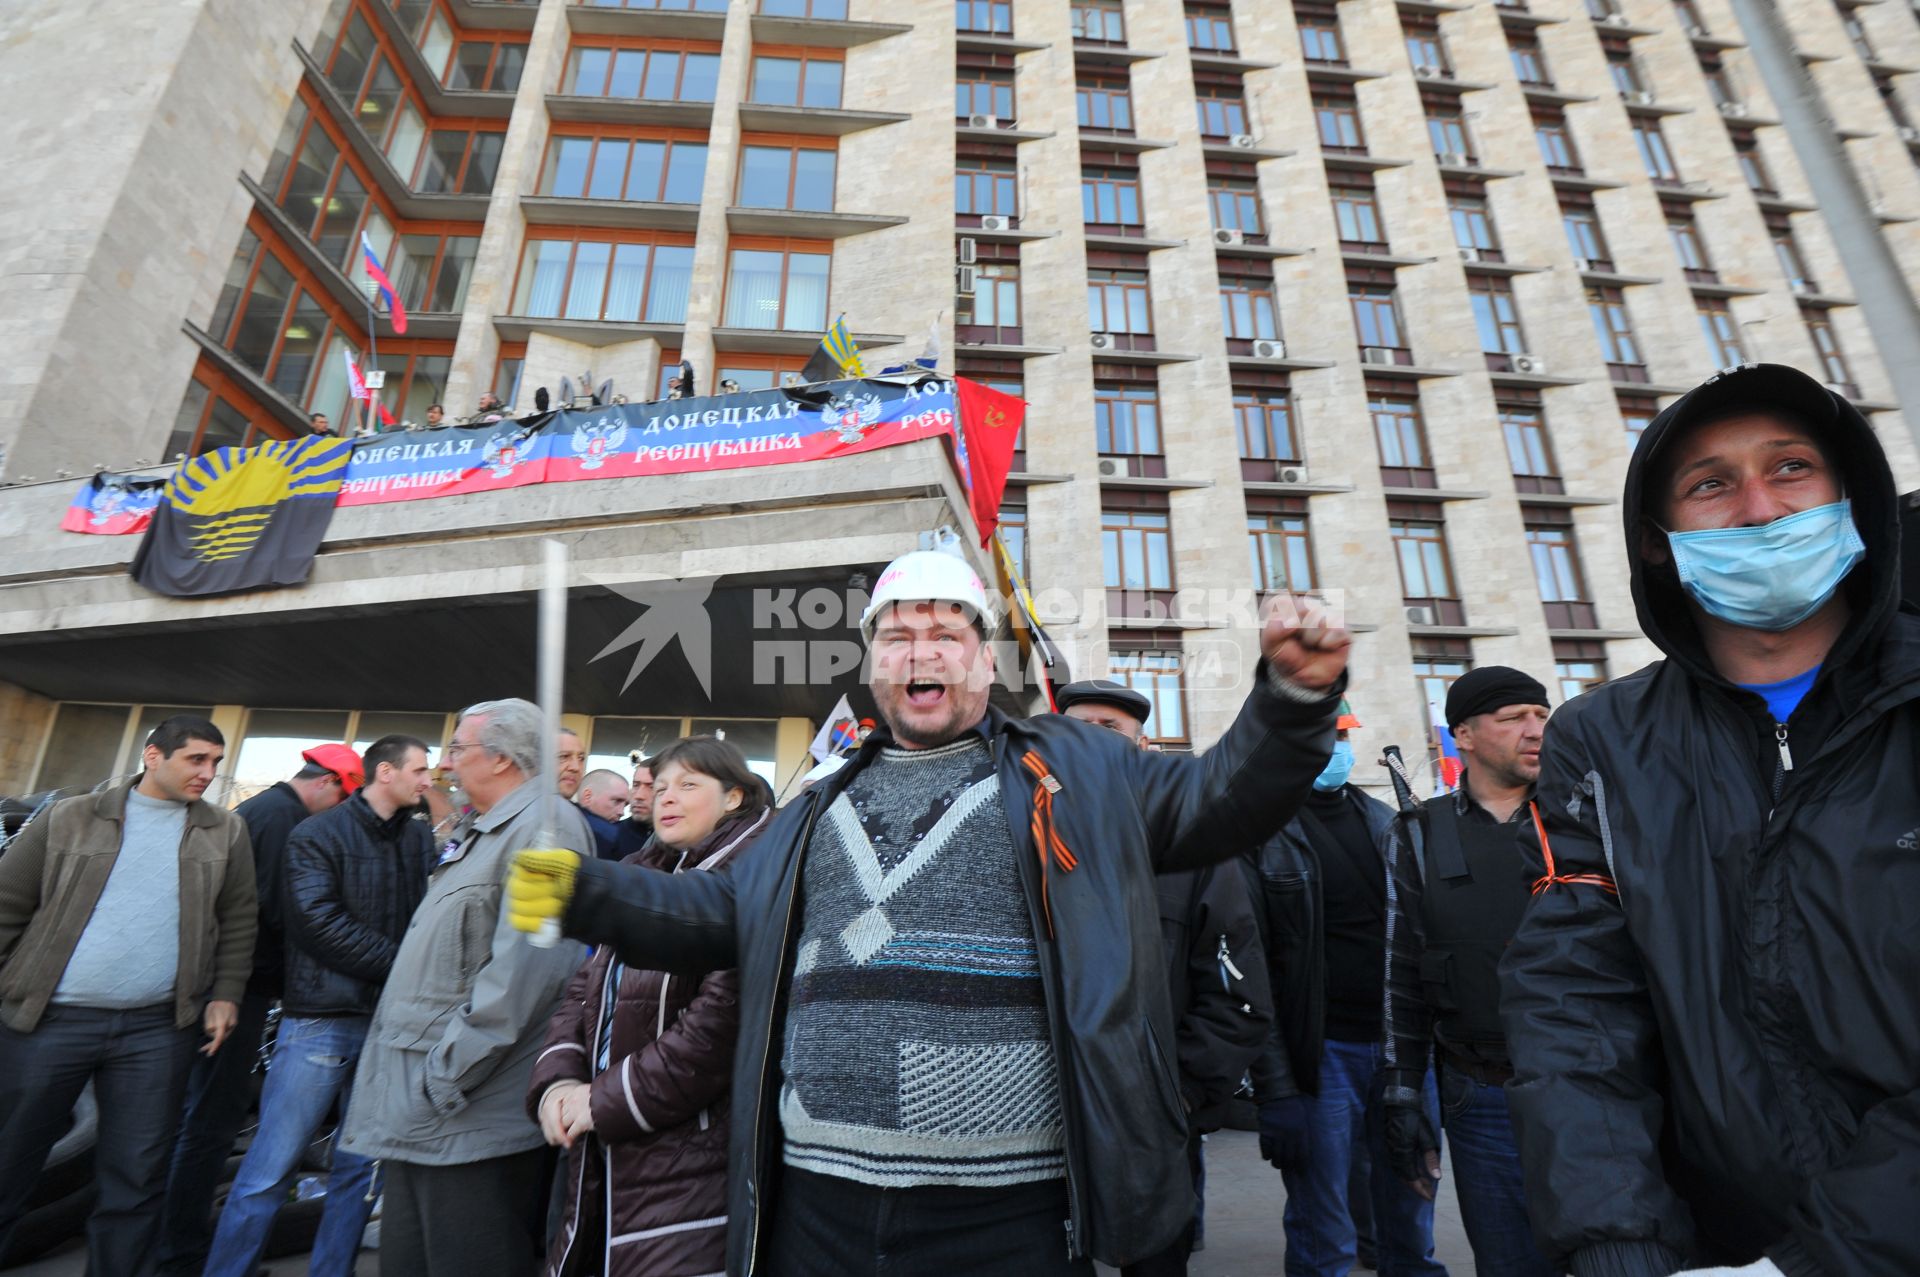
(553,654)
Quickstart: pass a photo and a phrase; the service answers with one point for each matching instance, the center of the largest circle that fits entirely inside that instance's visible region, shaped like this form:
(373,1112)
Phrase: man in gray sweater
(126,928)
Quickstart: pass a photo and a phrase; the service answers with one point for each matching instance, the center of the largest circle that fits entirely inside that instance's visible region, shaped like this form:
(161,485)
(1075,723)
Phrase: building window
(995,300)
(1222,112)
(1577,677)
(1421,548)
(808,81)
(834,9)
(1601,10)
(616,168)
(1117,302)
(1402,438)
(1654,154)
(984,17)
(1155,674)
(1210,30)
(1689,16)
(457,161)
(1625,73)
(1691,249)
(1787,250)
(1857,34)
(1376,315)
(1556,570)
(1428,53)
(1110,197)
(1529,64)
(1320,39)
(1528,451)
(1137,553)
(1126,419)
(596,280)
(1247,311)
(1635,416)
(1556,145)
(984,93)
(1473,225)
(1103,104)
(1722,332)
(1607,307)
(1357,216)
(776,289)
(486,65)
(987,188)
(1434,672)
(1013,529)
(1826,342)
(1098,21)
(205,422)
(1263,419)
(1495,315)
(659,75)
(1338,119)
(1752,167)
(1235,202)
(1448,134)
(430,272)
(256,327)
(1720,90)
(1281,551)
(1584,237)
(797,177)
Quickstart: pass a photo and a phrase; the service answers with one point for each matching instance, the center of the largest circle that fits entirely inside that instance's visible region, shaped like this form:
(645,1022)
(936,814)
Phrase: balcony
(822,33)
(1099,53)
(812,120)
(679,24)
(584,109)
(806,224)
(569,210)
(590,332)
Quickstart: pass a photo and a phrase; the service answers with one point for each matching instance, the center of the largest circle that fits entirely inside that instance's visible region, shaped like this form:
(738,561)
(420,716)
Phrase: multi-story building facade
(1368,298)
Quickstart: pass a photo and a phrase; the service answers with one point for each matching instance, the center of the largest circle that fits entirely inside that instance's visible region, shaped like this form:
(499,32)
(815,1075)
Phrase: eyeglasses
(454,747)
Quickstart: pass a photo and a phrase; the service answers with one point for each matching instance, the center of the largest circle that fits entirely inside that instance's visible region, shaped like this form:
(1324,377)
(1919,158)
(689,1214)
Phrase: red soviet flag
(989,427)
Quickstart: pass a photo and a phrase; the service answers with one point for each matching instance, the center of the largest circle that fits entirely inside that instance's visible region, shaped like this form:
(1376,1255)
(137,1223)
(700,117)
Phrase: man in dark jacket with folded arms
(349,884)
(956,1047)
(1711,1001)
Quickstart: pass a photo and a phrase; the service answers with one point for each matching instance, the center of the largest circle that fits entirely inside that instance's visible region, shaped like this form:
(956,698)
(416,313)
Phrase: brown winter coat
(659,1107)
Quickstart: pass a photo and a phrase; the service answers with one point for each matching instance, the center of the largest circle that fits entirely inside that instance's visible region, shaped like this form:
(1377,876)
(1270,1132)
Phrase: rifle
(1402,785)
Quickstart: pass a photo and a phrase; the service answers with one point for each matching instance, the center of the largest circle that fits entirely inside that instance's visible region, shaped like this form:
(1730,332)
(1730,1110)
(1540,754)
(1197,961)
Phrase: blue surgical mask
(1771,577)
(1338,768)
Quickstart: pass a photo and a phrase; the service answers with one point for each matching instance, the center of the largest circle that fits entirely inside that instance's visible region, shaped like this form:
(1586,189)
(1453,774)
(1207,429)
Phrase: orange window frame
(804,55)
(790,144)
(786,248)
(653,239)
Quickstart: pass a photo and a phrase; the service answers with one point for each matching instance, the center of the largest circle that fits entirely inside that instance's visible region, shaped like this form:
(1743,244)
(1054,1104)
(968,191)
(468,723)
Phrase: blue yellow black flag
(243,518)
(836,357)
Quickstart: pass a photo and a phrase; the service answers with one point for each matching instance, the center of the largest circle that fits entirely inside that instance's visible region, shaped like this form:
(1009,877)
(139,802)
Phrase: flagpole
(373,349)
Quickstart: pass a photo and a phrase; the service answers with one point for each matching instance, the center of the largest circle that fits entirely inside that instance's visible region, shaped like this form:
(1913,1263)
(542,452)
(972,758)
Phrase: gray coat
(443,1077)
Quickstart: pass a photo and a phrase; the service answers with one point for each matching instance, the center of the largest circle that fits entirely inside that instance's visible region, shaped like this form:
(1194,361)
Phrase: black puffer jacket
(1126,814)
(1723,1059)
(351,882)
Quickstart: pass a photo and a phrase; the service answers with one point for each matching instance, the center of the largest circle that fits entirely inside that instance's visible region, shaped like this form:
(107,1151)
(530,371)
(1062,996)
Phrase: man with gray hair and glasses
(440,1095)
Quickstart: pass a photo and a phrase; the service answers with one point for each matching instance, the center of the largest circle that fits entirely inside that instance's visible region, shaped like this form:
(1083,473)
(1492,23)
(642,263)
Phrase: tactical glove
(539,887)
(1286,1132)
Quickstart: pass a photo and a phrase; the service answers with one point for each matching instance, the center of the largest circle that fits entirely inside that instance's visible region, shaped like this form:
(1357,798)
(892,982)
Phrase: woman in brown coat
(634,1077)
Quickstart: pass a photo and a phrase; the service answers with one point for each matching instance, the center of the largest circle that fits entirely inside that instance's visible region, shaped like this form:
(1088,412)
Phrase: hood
(1873,587)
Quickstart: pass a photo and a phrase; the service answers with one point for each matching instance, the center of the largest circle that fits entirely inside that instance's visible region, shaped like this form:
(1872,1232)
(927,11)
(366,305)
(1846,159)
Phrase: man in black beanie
(1460,884)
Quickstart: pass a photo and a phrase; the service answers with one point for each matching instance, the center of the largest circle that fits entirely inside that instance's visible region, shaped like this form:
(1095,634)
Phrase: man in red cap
(217,1092)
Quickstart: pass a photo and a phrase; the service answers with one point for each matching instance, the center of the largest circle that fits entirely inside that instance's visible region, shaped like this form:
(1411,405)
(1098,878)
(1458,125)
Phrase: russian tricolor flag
(388,292)
(357,388)
(1450,765)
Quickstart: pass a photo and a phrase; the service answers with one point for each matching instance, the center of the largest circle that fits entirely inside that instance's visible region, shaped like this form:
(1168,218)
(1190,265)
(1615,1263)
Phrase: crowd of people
(1643,983)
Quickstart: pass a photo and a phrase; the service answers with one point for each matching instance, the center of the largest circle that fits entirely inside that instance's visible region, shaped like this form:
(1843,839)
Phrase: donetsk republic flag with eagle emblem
(243,518)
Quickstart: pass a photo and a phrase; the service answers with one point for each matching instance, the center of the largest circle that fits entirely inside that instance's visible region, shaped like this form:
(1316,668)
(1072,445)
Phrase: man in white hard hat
(956,1052)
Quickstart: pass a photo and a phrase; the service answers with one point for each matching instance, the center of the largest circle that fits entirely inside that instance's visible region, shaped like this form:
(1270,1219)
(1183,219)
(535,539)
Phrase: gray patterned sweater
(917,1049)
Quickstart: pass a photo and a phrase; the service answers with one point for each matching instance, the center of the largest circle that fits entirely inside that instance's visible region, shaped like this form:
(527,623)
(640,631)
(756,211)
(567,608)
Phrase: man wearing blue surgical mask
(1711,1001)
(1322,891)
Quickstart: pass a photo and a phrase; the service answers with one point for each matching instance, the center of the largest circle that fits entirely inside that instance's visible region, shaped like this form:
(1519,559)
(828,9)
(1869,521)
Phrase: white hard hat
(928,576)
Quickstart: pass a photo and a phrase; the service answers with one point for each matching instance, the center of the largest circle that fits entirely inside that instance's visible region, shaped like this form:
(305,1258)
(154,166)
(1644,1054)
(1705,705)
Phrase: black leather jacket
(1288,901)
(1217,974)
(1125,813)
(350,884)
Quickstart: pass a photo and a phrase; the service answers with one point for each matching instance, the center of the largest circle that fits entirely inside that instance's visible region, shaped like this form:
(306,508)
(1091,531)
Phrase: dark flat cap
(1488,688)
(1101,691)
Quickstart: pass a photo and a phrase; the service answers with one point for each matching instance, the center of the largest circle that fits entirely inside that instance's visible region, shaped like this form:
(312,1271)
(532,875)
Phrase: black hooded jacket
(1718,1056)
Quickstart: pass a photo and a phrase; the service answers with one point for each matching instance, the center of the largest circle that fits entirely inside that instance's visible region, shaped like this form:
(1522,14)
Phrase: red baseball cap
(339,760)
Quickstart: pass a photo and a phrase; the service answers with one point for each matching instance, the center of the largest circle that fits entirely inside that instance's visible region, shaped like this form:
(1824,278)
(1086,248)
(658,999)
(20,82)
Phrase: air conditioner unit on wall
(1292,474)
(1699,33)
(1428,71)
(1469,254)
(1241,141)
(1614,20)
(969,251)
(1804,288)
(1269,350)
(1113,468)
(966,279)
(1583,264)
(1377,355)
(983,121)
(1103,341)
(1454,159)
(1226,237)
(1532,365)
(1420,616)
(1639,97)
(996,224)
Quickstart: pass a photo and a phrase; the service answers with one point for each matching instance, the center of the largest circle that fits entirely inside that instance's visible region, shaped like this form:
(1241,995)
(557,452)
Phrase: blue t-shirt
(1784,697)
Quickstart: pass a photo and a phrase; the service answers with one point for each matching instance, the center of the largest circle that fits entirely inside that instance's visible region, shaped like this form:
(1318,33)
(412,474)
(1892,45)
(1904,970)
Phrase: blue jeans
(1487,1178)
(1319,1225)
(313,1063)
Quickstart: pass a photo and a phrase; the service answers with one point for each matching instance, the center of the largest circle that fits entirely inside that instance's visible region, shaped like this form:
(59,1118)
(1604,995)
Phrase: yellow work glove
(539,885)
